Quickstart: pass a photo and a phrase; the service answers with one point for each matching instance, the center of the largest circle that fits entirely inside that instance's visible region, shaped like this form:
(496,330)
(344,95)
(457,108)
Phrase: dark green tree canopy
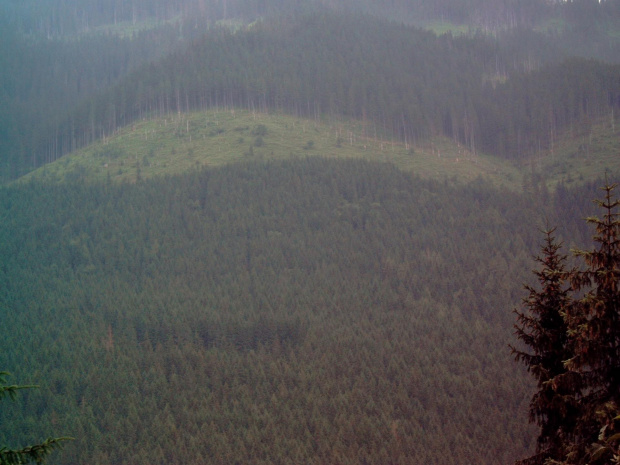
(542,328)
(576,344)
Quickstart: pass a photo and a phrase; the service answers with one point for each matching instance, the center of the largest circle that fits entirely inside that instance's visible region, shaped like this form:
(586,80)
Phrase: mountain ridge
(190,141)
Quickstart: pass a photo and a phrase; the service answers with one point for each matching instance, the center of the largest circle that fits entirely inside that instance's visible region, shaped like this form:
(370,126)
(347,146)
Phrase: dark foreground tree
(541,326)
(576,349)
(36,453)
(594,325)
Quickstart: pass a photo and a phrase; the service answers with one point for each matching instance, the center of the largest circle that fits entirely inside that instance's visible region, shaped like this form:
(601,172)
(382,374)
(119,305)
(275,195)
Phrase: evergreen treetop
(543,329)
(576,345)
(36,453)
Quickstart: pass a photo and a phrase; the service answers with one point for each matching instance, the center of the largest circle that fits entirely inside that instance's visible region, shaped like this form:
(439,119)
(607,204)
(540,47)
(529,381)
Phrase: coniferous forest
(511,90)
(307,309)
(310,311)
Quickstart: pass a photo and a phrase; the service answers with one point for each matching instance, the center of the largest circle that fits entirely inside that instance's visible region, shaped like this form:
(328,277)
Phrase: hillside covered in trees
(61,18)
(409,83)
(304,311)
(289,232)
(510,91)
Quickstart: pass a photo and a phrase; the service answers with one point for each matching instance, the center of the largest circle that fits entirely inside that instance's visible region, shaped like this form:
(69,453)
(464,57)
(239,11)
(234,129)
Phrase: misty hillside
(274,232)
(510,93)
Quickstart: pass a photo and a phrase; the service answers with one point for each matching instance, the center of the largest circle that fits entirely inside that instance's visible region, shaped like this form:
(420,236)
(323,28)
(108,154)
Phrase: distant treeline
(61,93)
(56,18)
(404,82)
(42,81)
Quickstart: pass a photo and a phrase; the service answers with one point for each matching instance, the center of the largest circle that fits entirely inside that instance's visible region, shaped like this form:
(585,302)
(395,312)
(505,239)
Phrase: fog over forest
(318,232)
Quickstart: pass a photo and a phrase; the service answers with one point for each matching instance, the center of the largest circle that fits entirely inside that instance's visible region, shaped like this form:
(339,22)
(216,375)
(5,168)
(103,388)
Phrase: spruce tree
(576,348)
(541,327)
(36,453)
(594,328)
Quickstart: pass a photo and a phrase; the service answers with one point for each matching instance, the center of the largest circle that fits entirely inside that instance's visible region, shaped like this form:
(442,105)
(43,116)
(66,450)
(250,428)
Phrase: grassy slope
(126,29)
(580,155)
(440,27)
(184,142)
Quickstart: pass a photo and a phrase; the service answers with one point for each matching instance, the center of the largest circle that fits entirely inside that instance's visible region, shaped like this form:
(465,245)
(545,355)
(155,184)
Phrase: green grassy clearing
(190,141)
(580,155)
(126,29)
(552,26)
(443,27)
(187,142)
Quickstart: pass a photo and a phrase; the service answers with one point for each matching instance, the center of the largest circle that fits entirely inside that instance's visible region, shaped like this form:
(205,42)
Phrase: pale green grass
(614,32)
(128,28)
(186,142)
(552,26)
(581,155)
(443,27)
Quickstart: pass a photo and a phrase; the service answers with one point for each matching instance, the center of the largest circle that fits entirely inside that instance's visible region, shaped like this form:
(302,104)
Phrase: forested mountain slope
(61,17)
(307,311)
(408,83)
(310,302)
(508,94)
(41,82)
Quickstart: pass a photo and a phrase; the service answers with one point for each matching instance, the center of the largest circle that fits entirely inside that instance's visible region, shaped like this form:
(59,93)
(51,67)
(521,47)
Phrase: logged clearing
(185,142)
